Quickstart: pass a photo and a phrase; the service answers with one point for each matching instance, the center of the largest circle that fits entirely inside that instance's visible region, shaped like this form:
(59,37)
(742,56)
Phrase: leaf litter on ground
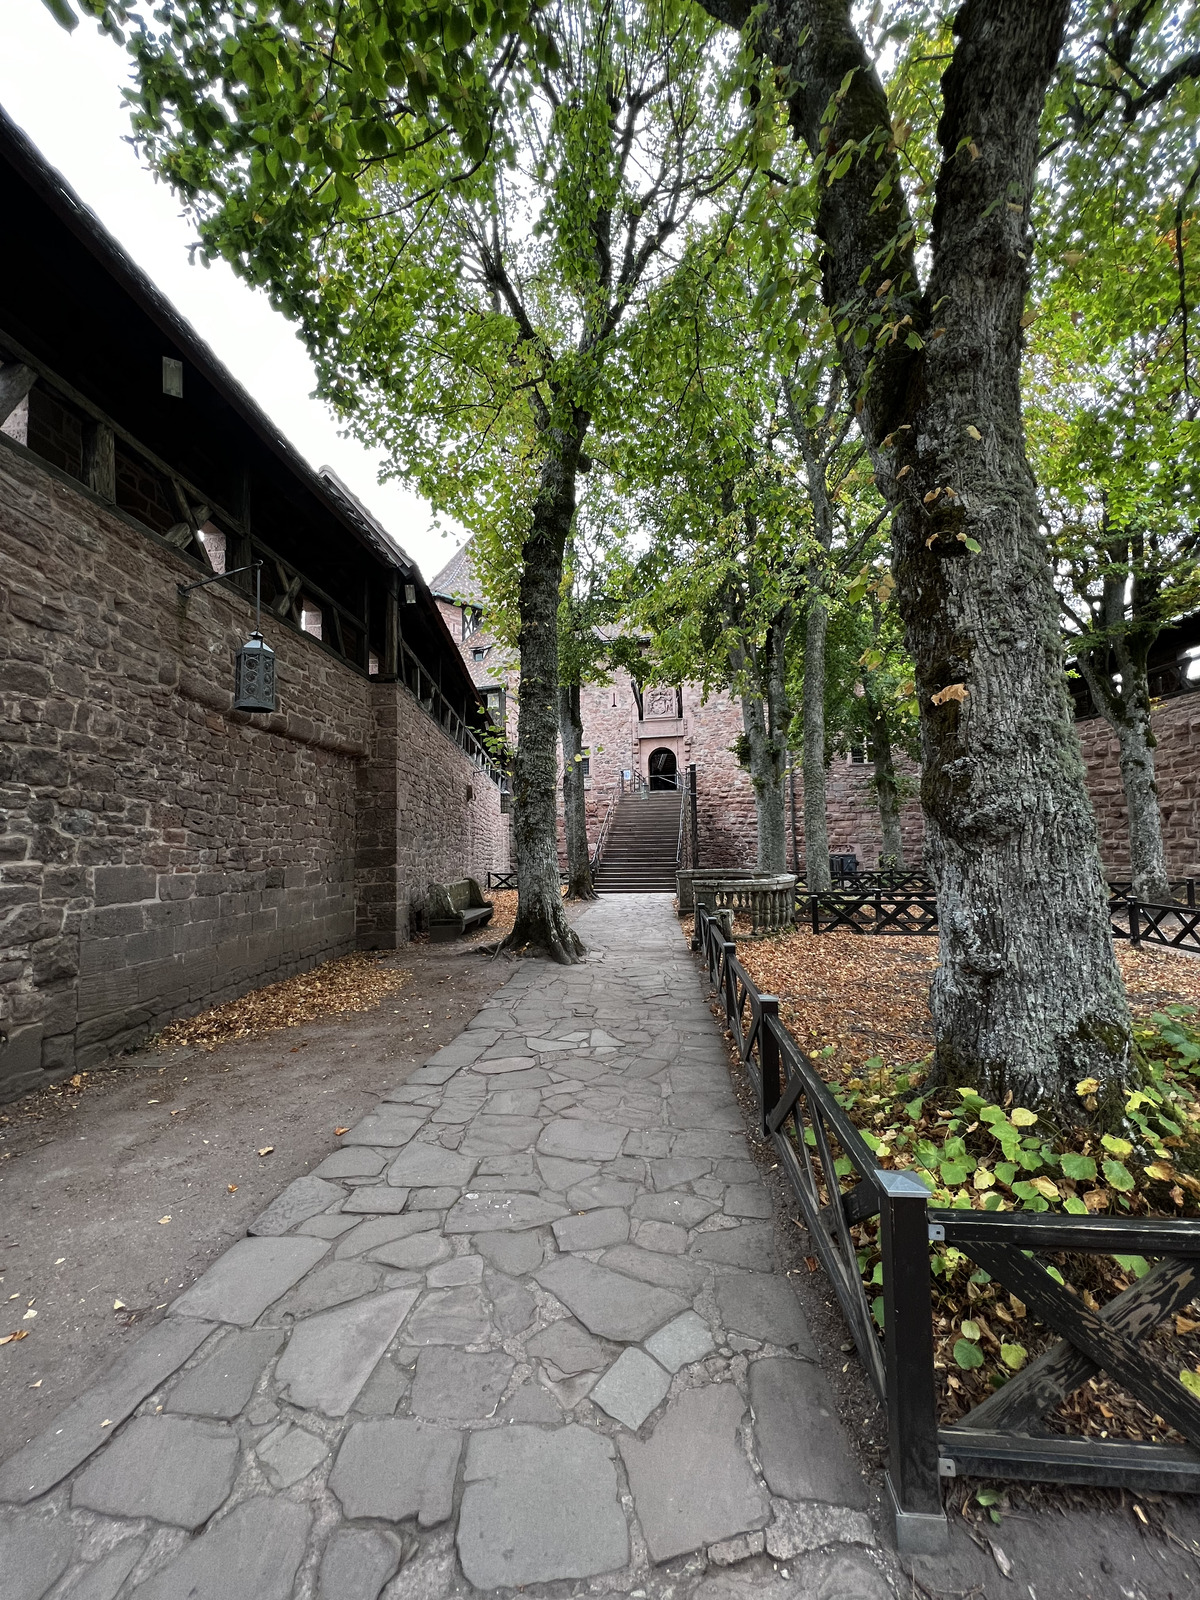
(350,983)
(859,1006)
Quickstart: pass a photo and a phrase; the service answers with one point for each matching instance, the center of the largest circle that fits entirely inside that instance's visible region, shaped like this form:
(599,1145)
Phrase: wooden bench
(452,909)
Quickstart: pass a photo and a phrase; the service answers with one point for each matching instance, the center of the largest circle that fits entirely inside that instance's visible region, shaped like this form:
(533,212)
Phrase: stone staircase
(639,854)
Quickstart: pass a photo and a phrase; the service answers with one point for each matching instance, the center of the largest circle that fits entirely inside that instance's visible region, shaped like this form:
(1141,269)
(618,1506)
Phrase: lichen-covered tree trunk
(766,777)
(1027,998)
(1127,713)
(887,786)
(541,924)
(570,727)
(816,827)
(765,720)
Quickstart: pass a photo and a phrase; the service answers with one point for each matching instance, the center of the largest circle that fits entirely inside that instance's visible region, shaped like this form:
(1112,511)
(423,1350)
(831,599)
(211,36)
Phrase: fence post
(768,1058)
(912,1474)
(728,951)
(1135,931)
(814,905)
(1191,892)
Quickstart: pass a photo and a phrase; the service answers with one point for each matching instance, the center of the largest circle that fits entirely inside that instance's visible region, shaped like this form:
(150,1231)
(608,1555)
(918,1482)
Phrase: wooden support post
(16,380)
(768,1058)
(912,1475)
(100,460)
(390,665)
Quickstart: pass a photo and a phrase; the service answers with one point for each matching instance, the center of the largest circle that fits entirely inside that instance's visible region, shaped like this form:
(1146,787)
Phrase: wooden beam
(283,603)
(16,380)
(100,460)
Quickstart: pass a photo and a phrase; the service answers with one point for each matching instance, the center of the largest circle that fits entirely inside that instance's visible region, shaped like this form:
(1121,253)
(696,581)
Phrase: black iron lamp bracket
(251,566)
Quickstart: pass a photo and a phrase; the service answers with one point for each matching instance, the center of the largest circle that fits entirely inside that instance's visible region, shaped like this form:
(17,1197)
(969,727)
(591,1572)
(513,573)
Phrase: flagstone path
(521,1328)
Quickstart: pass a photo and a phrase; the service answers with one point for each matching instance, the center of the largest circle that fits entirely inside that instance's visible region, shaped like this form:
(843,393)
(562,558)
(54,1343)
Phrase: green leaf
(1118,1147)
(1077,1167)
(1014,1356)
(973,545)
(1075,1206)
(1021,1118)
(1137,1265)
(1191,1382)
(1006,1171)
(967,1355)
(956,1172)
(877,1310)
(1119,1176)
(971,1329)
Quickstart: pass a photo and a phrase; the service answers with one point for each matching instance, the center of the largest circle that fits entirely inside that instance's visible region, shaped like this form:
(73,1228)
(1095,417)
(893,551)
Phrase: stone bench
(452,909)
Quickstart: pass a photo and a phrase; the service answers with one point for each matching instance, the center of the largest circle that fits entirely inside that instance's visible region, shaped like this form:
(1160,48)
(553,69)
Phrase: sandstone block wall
(158,851)
(1176,725)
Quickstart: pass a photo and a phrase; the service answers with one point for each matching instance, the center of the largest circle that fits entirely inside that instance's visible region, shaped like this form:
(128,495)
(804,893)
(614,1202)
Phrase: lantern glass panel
(255,678)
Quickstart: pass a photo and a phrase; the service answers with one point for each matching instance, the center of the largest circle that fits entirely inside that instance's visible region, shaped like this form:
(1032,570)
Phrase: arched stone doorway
(663,769)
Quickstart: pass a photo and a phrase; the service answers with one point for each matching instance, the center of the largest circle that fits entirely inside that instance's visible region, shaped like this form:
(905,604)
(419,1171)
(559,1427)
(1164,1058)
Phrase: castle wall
(160,852)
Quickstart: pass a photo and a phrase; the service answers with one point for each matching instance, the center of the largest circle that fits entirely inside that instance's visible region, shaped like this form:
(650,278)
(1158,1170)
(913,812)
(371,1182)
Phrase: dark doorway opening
(664,773)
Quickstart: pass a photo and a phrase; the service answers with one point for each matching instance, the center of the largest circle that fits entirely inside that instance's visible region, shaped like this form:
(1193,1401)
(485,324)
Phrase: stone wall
(1176,724)
(158,851)
(426,815)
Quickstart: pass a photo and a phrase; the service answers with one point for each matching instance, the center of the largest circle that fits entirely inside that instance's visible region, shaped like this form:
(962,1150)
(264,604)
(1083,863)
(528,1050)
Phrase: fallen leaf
(930,540)
(29,1315)
(60,1261)
(107,1423)
(952,691)
(1001,1560)
(1162,1170)
(1141,1515)
(118,1305)
(811,1263)
(266,1150)
(232,1187)
(37,1385)
(904,472)
(161,1220)
(1096,1199)
(338,1132)
(1185,1325)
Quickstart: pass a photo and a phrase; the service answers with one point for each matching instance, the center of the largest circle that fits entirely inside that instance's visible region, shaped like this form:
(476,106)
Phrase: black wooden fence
(1008,1435)
(899,911)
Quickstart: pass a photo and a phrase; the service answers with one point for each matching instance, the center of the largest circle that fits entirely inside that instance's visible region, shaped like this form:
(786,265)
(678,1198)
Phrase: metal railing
(839,1187)
(605,826)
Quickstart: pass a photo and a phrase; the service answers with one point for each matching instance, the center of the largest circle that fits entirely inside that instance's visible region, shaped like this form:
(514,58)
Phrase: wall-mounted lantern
(254,673)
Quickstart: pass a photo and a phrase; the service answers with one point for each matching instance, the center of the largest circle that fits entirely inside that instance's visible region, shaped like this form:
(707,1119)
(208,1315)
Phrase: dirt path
(86,1177)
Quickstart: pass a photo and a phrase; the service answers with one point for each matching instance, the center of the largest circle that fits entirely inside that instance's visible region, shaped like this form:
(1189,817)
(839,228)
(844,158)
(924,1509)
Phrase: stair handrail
(682,805)
(602,836)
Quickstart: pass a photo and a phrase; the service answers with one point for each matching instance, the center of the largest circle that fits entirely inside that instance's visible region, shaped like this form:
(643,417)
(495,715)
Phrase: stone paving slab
(523,1327)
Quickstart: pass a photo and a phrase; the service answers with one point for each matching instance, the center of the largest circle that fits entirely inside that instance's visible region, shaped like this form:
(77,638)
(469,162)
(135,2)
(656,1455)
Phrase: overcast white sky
(64,91)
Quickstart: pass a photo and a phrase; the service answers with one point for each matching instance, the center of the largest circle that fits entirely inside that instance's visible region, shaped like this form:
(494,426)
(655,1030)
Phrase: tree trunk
(1027,998)
(887,786)
(570,726)
(816,827)
(541,924)
(1127,713)
(766,777)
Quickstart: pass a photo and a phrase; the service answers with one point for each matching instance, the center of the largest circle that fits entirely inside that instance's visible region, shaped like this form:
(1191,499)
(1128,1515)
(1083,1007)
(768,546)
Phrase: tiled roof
(457,580)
